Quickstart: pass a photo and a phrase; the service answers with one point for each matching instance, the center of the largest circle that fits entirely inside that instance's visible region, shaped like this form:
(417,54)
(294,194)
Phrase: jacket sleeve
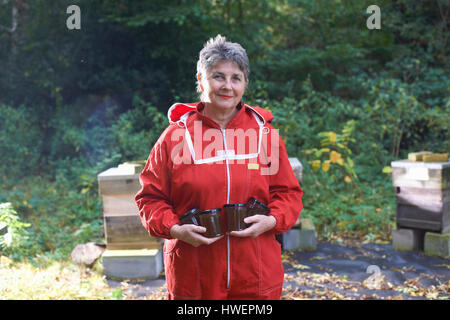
(155,208)
(285,192)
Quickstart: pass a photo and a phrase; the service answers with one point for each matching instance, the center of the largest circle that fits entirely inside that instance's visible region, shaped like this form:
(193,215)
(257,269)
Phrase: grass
(59,280)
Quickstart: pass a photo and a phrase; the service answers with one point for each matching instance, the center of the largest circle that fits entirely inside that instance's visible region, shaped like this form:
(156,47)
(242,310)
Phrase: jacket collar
(178,110)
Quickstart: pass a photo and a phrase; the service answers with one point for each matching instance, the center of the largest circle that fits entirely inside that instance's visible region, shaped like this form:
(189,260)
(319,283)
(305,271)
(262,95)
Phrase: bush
(20,142)
(136,130)
(343,146)
(61,203)
(18,234)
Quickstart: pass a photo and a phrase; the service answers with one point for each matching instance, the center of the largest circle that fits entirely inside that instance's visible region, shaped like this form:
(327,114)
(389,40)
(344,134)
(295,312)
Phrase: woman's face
(223,86)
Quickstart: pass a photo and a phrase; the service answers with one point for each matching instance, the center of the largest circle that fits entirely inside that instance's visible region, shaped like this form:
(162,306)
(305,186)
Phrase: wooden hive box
(297,168)
(123,227)
(422,194)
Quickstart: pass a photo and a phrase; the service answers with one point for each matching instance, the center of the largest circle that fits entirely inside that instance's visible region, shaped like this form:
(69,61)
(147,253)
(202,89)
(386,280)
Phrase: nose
(227,84)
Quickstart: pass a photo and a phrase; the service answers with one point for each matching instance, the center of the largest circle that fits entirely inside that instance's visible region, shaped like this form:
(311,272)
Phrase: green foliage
(337,154)
(20,141)
(136,130)
(374,129)
(62,205)
(17,230)
(393,112)
(59,216)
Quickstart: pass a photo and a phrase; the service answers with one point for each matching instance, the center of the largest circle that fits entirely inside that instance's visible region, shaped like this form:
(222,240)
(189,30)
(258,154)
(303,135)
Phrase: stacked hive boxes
(131,252)
(423,206)
(302,236)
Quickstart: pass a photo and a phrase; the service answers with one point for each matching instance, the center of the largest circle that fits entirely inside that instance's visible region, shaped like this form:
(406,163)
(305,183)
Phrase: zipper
(228,200)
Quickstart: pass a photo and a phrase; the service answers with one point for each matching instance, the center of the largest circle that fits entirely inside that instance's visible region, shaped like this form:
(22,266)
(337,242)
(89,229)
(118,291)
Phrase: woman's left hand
(260,224)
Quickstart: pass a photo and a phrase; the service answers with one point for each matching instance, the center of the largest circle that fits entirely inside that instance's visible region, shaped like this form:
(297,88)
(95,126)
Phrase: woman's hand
(260,224)
(191,234)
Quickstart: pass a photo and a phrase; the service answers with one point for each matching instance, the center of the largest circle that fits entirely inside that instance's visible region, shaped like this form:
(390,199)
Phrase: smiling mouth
(225,97)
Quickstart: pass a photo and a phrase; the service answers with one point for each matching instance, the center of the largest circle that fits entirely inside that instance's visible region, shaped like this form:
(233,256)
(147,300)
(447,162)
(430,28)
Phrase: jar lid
(235,205)
(210,211)
(192,211)
(252,201)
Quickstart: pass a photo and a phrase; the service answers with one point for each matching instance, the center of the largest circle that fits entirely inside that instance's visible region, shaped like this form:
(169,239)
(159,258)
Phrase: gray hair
(219,49)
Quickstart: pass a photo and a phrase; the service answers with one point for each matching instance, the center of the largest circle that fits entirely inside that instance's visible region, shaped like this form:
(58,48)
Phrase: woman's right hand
(191,234)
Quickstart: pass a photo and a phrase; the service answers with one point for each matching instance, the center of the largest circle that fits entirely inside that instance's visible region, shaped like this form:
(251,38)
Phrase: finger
(212,240)
(252,219)
(197,239)
(198,229)
(242,233)
(204,240)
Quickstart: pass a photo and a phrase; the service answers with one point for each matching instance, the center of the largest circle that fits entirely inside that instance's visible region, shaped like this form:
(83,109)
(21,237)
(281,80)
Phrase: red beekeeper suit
(200,168)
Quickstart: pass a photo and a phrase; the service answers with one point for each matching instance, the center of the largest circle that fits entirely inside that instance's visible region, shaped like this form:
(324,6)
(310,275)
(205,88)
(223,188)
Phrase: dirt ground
(342,271)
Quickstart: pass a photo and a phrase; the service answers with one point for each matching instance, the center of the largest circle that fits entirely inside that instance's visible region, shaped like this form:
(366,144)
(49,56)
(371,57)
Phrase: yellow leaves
(317,258)
(350,162)
(404,269)
(300,266)
(387,170)
(315,164)
(443,265)
(431,295)
(342,224)
(334,149)
(326,166)
(335,156)
(288,277)
(332,136)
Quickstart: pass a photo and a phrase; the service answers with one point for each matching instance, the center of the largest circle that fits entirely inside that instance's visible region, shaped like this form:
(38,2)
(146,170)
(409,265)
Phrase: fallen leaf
(300,266)
(442,265)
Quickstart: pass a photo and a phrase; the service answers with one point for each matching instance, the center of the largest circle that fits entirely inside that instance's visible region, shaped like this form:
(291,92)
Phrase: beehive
(123,227)
(422,194)
(297,168)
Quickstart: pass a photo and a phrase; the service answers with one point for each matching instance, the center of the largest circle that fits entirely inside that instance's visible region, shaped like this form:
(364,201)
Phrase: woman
(216,152)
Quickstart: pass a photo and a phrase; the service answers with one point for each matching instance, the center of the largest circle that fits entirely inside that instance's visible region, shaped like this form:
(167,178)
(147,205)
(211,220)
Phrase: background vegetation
(346,99)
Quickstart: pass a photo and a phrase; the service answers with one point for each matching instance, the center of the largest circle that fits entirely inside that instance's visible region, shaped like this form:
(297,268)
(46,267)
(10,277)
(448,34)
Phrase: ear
(199,79)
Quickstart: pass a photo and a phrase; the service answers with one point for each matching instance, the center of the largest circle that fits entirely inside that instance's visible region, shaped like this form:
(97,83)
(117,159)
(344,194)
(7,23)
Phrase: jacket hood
(177,110)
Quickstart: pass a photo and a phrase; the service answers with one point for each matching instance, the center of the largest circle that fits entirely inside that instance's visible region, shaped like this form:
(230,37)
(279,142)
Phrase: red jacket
(199,168)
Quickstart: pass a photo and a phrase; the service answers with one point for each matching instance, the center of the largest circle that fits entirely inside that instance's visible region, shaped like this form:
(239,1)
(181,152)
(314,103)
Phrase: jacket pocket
(181,269)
